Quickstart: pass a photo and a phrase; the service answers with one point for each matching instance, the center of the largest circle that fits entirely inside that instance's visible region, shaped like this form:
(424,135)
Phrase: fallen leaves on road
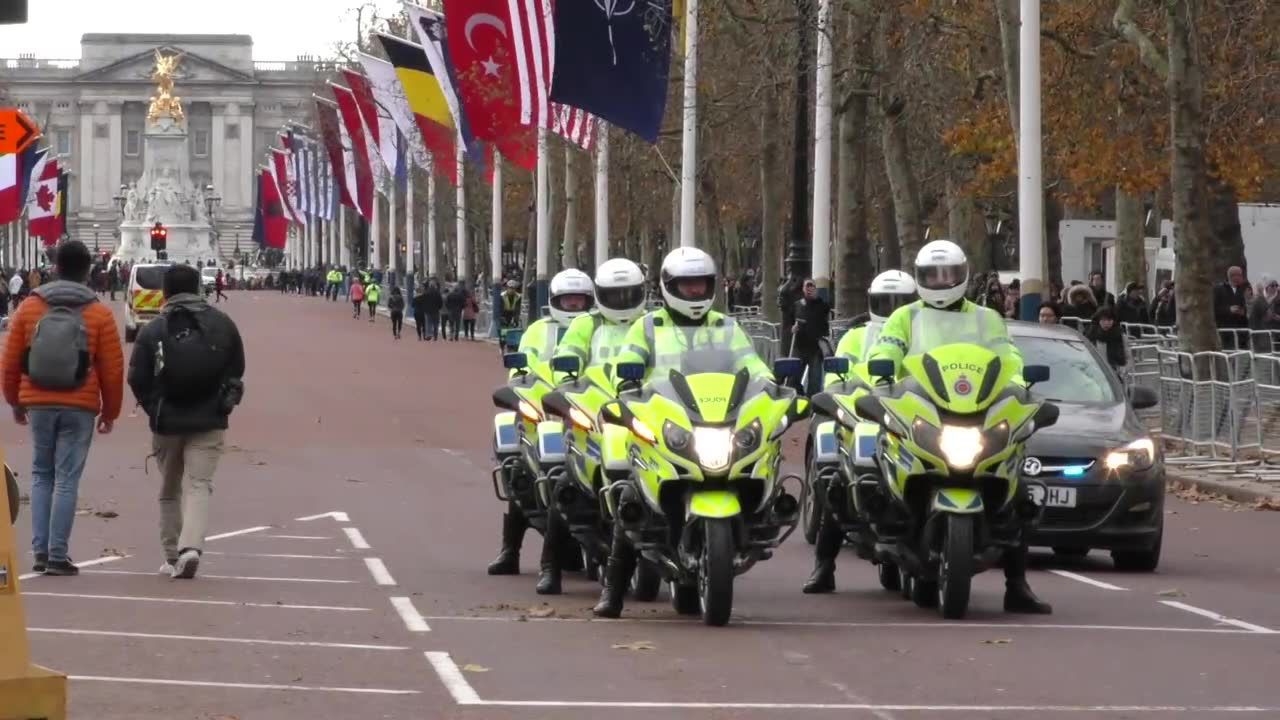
(469,667)
(111,552)
(108,514)
(998,641)
(1267,504)
(638,645)
(544,611)
(1171,592)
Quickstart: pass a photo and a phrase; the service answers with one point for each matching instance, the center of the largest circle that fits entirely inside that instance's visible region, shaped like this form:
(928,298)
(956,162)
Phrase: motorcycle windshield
(699,349)
(960,378)
(712,398)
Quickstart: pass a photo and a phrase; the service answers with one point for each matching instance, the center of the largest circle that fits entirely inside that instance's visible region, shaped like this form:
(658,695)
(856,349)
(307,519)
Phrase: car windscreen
(1075,375)
(209,272)
(151,277)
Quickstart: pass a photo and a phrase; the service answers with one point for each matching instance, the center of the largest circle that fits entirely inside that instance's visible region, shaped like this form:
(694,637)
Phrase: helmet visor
(620,298)
(573,302)
(693,289)
(883,304)
(941,277)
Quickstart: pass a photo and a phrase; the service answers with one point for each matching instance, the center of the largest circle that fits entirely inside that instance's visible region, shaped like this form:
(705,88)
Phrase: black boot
(1018,597)
(553,543)
(830,538)
(617,576)
(513,527)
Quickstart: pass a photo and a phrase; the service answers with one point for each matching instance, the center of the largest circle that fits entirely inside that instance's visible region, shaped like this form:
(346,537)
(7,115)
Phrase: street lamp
(120,199)
(96,227)
(211,203)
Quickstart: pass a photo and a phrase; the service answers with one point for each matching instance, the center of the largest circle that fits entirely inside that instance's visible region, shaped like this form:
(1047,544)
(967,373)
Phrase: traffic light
(159,238)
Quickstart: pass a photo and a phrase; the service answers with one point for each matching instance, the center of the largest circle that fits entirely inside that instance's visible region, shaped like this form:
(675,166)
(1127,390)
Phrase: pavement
(353,516)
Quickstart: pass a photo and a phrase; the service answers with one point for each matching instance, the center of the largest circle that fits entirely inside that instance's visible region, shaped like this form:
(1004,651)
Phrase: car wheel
(1070,552)
(1139,560)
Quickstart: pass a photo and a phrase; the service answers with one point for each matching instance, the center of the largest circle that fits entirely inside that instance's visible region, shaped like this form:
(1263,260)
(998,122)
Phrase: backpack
(191,361)
(58,358)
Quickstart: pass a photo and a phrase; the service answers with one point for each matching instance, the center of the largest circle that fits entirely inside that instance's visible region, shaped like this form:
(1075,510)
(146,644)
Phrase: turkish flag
(481,45)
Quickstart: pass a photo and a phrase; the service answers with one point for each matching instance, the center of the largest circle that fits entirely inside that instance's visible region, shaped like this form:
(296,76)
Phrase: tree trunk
(799,255)
(1008,15)
(554,209)
(770,216)
(569,249)
(1197,331)
(964,226)
(854,264)
(1224,223)
(1130,250)
(897,153)
(1053,241)
(890,248)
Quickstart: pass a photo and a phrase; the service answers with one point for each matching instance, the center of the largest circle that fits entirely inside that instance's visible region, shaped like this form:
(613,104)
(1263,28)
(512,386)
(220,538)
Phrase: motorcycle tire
(924,593)
(890,578)
(646,582)
(684,599)
(905,583)
(811,512)
(955,571)
(715,578)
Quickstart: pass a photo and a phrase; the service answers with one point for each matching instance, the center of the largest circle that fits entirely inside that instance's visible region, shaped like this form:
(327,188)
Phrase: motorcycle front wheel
(646,581)
(715,579)
(955,572)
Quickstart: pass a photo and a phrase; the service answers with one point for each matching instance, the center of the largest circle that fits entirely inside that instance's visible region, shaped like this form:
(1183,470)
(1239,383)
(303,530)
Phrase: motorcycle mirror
(836,366)
(881,368)
(869,408)
(630,371)
(566,364)
(1046,416)
(511,338)
(612,413)
(515,361)
(555,403)
(1034,374)
(787,368)
(506,399)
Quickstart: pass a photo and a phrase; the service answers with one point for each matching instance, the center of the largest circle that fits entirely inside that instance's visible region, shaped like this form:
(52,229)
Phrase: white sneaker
(166,569)
(188,562)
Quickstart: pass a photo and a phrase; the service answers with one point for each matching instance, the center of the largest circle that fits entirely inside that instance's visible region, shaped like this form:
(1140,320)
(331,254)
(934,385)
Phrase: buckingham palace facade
(93,110)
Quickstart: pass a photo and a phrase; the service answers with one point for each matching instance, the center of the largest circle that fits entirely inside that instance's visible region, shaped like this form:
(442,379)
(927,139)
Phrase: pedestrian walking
(357,296)
(63,367)
(186,372)
(453,303)
(420,310)
(372,293)
(219,284)
(395,305)
(470,311)
(434,304)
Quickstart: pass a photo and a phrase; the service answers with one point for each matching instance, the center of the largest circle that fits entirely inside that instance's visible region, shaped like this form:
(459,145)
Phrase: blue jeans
(60,440)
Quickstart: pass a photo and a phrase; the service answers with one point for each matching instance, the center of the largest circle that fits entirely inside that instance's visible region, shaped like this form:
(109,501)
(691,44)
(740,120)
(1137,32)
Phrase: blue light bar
(1074,470)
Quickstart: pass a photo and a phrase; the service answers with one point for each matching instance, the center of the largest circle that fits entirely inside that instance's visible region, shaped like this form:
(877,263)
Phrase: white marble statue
(162,203)
(198,212)
(131,211)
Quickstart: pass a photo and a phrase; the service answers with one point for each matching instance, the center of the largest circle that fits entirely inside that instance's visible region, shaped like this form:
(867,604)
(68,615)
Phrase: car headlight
(1138,454)
(713,446)
(960,446)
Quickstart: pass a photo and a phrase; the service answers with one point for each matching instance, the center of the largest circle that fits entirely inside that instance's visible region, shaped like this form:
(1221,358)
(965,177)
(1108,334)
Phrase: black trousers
(420,320)
(397,322)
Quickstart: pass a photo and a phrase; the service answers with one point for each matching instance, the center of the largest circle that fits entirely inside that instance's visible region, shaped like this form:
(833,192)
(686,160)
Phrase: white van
(143,298)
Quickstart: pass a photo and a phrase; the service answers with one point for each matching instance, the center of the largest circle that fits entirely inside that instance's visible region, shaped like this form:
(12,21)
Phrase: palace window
(62,142)
(133,143)
(201,139)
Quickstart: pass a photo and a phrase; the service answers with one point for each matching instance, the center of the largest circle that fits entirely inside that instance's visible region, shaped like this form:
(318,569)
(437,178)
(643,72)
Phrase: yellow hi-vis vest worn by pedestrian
(717,344)
(917,328)
(372,293)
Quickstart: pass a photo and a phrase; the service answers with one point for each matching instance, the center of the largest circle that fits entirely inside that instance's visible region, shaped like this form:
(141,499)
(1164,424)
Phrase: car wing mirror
(1143,397)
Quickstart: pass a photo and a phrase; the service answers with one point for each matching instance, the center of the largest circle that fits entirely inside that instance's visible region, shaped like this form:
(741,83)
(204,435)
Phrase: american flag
(577,126)
(534,37)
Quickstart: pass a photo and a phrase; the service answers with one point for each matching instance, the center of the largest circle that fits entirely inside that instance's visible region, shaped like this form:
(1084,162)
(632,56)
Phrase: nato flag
(612,60)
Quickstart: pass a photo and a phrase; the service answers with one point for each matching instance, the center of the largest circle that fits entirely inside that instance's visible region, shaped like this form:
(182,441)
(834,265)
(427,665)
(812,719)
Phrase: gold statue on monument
(165,103)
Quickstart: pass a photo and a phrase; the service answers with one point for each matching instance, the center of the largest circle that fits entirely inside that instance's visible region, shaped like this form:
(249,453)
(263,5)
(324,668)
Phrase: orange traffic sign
(17,131)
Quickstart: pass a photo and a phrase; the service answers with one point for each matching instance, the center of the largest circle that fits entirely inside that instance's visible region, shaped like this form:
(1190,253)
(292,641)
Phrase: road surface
(353,516)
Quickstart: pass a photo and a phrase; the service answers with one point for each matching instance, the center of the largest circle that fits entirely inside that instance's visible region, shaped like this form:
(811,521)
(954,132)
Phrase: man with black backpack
(186,372)
(63,368)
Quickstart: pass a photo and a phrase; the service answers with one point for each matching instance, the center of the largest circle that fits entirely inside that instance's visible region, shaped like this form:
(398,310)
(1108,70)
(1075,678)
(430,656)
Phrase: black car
(1103,470)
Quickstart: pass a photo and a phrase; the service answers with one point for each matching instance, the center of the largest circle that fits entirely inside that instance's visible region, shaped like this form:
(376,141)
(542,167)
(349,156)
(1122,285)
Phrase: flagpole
(821,246)
(689,159)
(393,247)
(344,244)
(433,255)
(464,258)
(602,194)
(375,236)
(409,244)
(495,250)
(544,228)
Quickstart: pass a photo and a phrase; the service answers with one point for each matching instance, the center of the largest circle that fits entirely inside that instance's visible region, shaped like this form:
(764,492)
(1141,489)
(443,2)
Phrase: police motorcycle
(694,478)
(945,503)
(524,441)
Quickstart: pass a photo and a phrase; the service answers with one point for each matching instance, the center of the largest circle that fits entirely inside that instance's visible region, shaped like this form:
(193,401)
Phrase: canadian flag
(42,208)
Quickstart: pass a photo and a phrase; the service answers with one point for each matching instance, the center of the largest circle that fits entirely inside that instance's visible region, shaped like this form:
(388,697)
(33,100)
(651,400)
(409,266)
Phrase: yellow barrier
(27,691)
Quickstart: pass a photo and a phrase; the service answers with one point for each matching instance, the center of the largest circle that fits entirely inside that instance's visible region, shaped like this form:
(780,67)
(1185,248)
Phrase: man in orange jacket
(63,368)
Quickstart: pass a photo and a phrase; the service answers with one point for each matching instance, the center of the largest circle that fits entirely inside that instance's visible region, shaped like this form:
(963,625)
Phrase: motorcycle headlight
(960,446)
(581,419)
(713,447)
(643,431)
(530,412)
(1138,455)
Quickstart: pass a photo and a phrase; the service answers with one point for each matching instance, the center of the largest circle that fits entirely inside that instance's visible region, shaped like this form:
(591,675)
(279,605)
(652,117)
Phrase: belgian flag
(427,101)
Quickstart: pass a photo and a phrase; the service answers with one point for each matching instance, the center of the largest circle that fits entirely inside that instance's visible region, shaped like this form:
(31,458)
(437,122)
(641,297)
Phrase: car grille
(1051,461)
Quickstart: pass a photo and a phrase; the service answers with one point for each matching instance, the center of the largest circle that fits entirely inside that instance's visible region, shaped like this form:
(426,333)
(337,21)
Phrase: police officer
(511,305)
(571,295)
(942,316)
(888,292)
(595,338)
(679,335)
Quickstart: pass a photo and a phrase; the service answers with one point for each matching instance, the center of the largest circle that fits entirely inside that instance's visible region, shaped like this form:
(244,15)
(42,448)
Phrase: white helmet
(620,290)
(565,287)
(888,292)
(942,273)
(682,271)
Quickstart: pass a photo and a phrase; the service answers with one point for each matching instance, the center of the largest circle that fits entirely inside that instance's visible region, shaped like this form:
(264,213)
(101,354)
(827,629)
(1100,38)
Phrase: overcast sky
(281,29)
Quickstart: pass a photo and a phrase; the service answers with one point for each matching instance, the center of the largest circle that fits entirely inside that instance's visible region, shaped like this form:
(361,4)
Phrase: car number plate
(1060,497)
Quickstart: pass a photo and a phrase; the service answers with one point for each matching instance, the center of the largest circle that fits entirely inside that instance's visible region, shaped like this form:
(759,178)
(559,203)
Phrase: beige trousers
(187,464)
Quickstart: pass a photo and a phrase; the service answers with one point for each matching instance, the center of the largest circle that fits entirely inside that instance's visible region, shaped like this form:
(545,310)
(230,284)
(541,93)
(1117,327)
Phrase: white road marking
(239,686)
(1219,618)
(234,533)
(336,515)
(849,625)
(454,681)
(276,555)
(1086,580)
(410,615)
(187,601)
(87,563)
(357,540)
(379,571)
(1110,709)
(208,638)
(229,577)
(298,537)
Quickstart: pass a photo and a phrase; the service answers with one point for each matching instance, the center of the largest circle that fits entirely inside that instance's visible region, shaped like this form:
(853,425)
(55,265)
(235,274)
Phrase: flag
(483,58)
(275,225)
(60,216)
(340,160)
(352,126)
(296,185)
(388,148)
(430,30)
(369,115)
(42,210)
(390,97)
(286,184)
(427,101)
(11,195)
(576,126)
(601,47)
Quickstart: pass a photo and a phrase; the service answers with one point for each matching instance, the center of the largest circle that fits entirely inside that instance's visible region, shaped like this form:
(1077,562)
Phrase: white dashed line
(357,540)
(1087,580)
(297,537)
(454,681)
(1218,618)
(234,533)
(239,686)
(336,515)
(229,577)
(208,638)
(410,615)
(276,555)
(187,601)
(379,571)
